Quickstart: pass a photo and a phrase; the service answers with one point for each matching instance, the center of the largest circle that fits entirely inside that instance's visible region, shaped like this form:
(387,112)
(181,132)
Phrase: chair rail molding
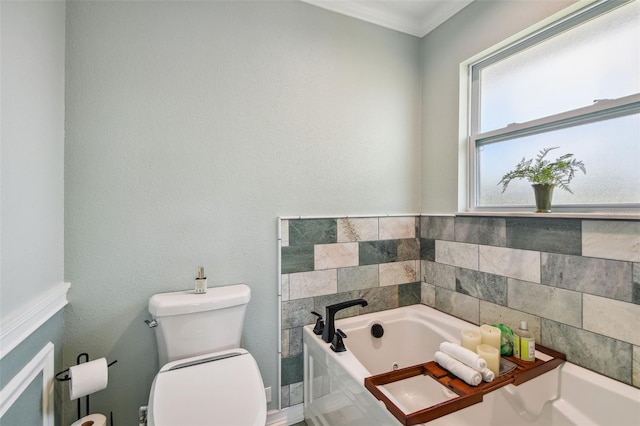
(17,329)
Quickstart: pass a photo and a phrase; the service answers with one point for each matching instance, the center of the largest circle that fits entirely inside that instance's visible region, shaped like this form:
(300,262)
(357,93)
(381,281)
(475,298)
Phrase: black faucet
(329,318)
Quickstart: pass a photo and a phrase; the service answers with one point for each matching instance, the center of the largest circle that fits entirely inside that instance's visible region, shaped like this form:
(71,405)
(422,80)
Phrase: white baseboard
(19,328)
(42,362)
(286,417)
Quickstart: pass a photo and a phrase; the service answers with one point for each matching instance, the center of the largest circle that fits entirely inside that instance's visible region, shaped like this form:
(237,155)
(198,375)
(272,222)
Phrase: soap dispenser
(524,344)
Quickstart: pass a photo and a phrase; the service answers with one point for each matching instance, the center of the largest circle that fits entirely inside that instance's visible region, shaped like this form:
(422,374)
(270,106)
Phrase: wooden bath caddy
(468,395)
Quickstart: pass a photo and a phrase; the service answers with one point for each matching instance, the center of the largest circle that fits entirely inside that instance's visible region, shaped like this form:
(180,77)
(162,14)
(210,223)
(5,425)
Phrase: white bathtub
(334,392)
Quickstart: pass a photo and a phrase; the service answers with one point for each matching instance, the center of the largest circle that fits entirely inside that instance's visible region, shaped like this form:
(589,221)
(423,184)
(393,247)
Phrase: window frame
(600,110)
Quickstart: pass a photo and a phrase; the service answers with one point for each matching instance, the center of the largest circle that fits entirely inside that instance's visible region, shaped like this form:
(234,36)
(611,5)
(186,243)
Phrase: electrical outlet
(267,392)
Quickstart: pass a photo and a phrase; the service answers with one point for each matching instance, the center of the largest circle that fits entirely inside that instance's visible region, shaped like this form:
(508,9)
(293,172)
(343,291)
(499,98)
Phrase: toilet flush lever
(151,323)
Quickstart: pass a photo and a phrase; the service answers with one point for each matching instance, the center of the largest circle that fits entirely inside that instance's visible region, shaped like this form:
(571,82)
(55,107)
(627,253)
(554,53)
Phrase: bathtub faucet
(329,318)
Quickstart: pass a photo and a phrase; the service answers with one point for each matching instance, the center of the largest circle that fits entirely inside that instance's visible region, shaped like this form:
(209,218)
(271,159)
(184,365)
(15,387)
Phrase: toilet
(205,378)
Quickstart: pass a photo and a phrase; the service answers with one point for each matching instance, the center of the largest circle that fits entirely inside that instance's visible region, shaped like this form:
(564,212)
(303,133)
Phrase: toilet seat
(223,388)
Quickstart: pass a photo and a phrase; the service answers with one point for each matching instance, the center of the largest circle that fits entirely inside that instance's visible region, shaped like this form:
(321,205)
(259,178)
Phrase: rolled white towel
(462,371)
(464,355)
(487,375)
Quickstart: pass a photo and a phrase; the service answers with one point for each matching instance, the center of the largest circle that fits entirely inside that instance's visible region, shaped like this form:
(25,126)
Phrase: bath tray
(468,395)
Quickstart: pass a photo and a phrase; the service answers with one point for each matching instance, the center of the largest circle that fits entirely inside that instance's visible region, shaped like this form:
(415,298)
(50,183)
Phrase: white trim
(369,14)
(20,327)
(286,416)
(413,25)
(444,12)
(555,215)
(597,111)
(43,361)
(349,216)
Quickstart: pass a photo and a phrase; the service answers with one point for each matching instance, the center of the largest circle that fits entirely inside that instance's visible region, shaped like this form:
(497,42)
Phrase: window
(574,85)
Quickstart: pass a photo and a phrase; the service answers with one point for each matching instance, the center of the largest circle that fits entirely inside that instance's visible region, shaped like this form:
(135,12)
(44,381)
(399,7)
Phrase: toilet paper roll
(91,420)
(88,378)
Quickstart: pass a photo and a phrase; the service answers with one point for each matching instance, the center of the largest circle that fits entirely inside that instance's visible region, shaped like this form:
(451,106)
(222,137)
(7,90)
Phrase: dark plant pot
(543,194)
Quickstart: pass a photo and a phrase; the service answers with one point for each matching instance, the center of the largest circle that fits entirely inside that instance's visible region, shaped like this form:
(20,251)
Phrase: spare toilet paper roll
(464,355)
(91,420)
(88,378)
(462,371)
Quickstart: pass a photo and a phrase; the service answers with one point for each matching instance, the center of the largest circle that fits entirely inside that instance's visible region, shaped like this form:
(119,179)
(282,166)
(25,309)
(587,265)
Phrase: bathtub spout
(329,326)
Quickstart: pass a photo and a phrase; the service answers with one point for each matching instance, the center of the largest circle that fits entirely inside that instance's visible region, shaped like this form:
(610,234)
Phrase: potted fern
(545,175)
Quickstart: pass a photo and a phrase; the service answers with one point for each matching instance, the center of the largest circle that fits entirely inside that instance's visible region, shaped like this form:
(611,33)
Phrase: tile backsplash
(577,282)
(326,261)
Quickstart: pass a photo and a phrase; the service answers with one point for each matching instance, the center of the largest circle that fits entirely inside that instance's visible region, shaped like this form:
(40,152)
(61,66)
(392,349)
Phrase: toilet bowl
(223,388)
(205,378)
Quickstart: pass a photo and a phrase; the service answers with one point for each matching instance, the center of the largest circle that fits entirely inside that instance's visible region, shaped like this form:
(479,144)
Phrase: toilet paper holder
(82,358)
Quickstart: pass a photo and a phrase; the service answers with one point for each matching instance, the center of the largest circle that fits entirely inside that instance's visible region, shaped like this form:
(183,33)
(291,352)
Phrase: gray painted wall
(33,44)
(31,209)
(190,128)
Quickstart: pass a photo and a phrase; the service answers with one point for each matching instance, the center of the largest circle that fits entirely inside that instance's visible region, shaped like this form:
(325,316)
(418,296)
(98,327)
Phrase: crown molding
(418,25)
(441,14)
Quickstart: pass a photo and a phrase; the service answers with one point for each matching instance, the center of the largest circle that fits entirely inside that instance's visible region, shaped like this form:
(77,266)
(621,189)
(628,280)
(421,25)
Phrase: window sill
(556,215)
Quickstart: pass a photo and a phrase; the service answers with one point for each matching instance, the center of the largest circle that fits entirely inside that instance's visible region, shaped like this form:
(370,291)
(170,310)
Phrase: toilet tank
(191,324)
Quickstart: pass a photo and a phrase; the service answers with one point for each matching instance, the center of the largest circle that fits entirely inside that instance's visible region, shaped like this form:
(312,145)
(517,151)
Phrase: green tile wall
(586,306)
(386,274)
(582,268)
